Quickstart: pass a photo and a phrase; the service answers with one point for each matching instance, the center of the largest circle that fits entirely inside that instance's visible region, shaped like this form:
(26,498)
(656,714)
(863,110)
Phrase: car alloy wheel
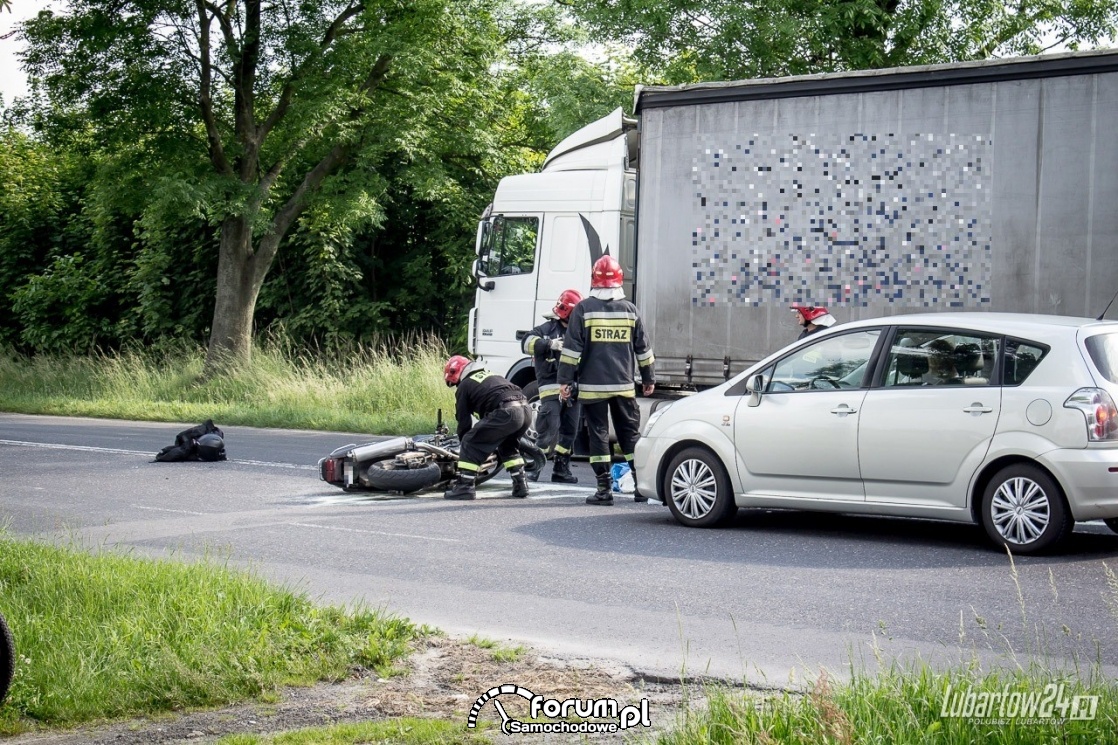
(1024,510)
(694,489)
(1020,511)
(697,489)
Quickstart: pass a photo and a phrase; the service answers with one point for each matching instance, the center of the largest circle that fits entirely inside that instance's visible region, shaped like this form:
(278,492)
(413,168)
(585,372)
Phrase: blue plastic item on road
(621,478)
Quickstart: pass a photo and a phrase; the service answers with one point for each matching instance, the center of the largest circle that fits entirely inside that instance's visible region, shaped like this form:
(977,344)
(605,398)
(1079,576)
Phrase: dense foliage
(337,153)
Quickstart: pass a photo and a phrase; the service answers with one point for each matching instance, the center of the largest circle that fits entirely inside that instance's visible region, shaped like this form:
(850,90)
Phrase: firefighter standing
(503,415)
(556,421)
(812,318)
(605,336)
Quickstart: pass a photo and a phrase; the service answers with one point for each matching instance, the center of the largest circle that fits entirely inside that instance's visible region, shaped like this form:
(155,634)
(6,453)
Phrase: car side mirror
(754,388)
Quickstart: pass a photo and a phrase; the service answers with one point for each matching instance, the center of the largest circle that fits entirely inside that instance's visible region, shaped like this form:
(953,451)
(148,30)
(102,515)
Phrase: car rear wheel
(1024,510)
(697,489)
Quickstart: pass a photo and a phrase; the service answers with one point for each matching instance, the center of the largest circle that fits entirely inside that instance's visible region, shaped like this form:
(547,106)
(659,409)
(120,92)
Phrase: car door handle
(843,409)
(977,408)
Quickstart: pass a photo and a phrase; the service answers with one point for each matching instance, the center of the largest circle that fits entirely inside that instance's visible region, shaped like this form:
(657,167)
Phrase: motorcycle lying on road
(410,464)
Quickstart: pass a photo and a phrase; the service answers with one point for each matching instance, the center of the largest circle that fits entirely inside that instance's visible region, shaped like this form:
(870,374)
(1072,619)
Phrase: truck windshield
(509,246)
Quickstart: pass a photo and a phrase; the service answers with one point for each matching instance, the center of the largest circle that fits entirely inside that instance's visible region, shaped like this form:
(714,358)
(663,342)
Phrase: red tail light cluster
(1098,407)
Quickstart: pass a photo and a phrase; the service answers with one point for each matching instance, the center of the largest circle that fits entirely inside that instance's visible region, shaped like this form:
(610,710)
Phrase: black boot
(604,495)
(561,472)
(519,483)
(463,488)
(637,496)
(533,473)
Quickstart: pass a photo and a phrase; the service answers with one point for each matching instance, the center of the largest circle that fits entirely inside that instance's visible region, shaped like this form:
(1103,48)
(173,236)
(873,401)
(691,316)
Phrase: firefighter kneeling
(504,417)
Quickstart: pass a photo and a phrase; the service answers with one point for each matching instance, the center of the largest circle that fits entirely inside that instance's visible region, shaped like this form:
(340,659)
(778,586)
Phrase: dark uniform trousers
(498,430)
(556,426)
(626,424)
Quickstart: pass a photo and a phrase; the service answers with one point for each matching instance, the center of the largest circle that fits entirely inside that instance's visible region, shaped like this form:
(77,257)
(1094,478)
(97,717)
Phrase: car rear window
(1103,349)
(1021,358)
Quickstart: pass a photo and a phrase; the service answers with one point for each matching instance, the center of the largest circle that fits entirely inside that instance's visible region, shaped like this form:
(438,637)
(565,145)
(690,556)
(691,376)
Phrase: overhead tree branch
(332,33)
(295,205)
(205,101)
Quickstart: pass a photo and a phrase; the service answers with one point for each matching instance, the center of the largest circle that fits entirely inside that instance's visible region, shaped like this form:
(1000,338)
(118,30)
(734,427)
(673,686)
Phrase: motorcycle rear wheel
(384,475)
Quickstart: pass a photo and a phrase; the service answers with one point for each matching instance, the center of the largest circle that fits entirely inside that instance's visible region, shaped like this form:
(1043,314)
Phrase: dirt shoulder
(444,679)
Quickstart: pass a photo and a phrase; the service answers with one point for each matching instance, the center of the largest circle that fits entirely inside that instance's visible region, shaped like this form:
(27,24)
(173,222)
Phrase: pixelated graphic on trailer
(851,220)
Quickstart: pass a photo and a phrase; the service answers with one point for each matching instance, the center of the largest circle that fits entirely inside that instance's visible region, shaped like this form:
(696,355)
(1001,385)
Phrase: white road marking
(118,451)
(86,448)
(164,509)
(375,532)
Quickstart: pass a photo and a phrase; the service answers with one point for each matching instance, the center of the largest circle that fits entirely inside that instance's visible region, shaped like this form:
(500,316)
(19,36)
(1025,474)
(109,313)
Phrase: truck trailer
(978,186)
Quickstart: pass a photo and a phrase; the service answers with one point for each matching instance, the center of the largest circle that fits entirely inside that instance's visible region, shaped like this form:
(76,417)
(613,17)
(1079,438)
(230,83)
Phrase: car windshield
(1103,349)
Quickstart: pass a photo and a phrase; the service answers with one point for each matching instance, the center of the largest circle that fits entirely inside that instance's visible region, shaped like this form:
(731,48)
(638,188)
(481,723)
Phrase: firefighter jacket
(605,341)
(545,359)
(479,393)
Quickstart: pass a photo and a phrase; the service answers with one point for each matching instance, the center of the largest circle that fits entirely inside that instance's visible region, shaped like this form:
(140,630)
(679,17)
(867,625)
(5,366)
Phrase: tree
(691,40)
(247,112)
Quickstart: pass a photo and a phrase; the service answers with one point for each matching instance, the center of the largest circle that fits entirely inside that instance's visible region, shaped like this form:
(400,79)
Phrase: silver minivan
(1007,420)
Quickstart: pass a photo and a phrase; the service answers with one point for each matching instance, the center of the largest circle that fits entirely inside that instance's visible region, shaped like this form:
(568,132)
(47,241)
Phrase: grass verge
(393,388)
(912,705)
(105,635)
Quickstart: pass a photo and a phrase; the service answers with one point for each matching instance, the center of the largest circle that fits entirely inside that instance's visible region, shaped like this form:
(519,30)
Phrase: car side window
(833,363)
(937,357)
(1021,358)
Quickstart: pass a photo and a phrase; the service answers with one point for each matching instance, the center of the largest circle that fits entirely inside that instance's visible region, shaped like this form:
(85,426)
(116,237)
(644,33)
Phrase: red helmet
(607,273)
(452,373)
(566,303)
(810,312)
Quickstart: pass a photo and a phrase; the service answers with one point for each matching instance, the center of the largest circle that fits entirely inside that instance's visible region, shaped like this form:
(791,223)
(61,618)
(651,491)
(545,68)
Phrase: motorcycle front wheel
(384,475)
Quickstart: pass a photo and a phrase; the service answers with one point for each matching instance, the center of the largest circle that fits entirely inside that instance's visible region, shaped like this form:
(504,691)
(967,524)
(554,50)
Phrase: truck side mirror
(754,388)
(488,285)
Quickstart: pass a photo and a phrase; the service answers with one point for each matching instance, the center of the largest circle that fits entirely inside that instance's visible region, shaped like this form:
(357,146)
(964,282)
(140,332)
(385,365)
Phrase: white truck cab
(543,233)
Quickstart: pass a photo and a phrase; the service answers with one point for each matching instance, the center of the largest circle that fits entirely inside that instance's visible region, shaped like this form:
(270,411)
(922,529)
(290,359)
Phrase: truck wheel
(384,475)
(7,658)
(697,489)
(1024,510)
(532,393)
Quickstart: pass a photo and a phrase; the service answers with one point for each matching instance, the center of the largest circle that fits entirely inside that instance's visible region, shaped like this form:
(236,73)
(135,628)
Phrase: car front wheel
(698,490)
(1023,509)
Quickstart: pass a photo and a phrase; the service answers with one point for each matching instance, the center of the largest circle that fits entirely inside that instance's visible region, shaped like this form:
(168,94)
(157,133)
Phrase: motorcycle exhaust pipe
(436,450)
(376,450)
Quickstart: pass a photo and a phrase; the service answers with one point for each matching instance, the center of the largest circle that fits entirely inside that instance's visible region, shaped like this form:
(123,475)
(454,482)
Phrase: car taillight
(1098,407)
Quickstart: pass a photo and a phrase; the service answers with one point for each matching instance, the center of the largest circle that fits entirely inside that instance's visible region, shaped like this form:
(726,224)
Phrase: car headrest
(912,365)
(968,359)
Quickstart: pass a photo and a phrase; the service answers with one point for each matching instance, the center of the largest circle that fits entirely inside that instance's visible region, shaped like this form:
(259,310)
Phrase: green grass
(391,732)
(498,651)
(387,389)
(104,635)
(898,706)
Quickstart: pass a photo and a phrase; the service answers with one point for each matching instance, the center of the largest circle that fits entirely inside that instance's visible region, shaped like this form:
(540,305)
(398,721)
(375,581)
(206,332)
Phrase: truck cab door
(506,286)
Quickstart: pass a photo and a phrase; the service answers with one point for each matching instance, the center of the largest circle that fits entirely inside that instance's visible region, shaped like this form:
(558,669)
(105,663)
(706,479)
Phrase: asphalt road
(773,597)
